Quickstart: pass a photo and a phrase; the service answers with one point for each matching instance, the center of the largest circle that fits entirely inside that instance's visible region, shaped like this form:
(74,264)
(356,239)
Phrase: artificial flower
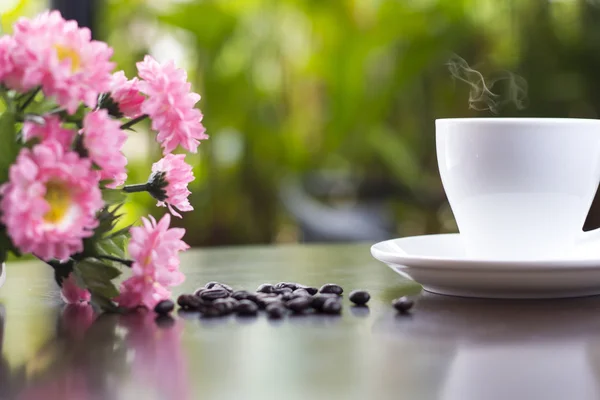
(61,58)
(170,105)
(103,140)
(49,204)
(140,290)
(6,48)
(168,183)
(154,248)
(71,293)
(126,94)
(51,129)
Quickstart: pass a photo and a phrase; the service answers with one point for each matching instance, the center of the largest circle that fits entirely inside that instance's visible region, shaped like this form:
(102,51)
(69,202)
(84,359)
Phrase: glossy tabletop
(448,348)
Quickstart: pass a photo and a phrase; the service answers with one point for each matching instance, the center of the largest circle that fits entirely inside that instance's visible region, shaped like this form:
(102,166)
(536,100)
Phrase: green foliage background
(351,86)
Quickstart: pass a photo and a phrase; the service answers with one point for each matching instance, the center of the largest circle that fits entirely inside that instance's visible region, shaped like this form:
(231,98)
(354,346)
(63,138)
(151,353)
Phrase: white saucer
(2,274)
(439,264)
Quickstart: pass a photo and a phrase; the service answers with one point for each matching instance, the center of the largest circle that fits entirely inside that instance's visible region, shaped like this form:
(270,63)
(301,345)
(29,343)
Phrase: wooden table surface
(449,348)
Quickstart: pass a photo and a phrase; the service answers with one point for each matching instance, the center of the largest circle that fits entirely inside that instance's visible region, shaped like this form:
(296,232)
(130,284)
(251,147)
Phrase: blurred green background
(321,112)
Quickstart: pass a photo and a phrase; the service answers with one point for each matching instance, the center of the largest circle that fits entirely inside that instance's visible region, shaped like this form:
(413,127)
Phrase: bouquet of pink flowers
(62,170)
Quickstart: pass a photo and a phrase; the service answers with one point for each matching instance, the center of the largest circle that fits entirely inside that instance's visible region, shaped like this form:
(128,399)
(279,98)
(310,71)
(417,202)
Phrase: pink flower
(127,95)
(50,130)
(73,294)
(103,139)
(169,183)
(154,249)
(141,290)
(61,58)
(6,48)
(170,105)
(50,202)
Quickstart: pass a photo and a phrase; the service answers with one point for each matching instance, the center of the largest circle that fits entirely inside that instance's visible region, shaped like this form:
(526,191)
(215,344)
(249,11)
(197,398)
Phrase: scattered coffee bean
(331,288)
(287,296)
(332,306)
(289,285)
(263,302)
(214,293)
(211,311)
(319,300)
(265,288)
(224,306)
(402,304)
(300,292)
(212,285)
(283,290)
(359,297)
(164,307)
(199,291)
(311,290)
(189,302)
(275,311)
(299,304)
(240,294)
(253,297)
(246,308)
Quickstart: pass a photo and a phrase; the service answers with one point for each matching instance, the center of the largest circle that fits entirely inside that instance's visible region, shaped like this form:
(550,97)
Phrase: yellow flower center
(59,200)
(64,52)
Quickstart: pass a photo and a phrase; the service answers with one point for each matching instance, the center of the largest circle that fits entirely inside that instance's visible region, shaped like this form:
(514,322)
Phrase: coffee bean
(278,302)
(331,288)
(311,290)
(199,291)
(246,307)
(265,288)
(189,302)
(402,304)
(253,297)
(332,306)
(359,297)
(283,290)
(224,306)
(213,285)
(319,300)
(210,285)
(214,293)
(164,307)
(210,312)
(300,292)
(275,311)
(299,304)
(287,296)
(263,302)
(289,285)
(240,294)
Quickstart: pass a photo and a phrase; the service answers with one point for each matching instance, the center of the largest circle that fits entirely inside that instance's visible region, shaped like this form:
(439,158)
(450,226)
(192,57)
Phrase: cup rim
(518,120)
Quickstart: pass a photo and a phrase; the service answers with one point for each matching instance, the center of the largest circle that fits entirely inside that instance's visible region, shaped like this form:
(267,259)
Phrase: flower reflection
(103,356)
(157,353)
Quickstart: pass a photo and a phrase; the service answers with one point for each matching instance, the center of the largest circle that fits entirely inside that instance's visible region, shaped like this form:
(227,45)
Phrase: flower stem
(127,263)
(140,187)
(30,99)
(134,121)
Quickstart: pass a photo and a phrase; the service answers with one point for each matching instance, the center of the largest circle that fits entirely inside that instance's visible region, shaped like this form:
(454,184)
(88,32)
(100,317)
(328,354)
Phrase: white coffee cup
(520,188)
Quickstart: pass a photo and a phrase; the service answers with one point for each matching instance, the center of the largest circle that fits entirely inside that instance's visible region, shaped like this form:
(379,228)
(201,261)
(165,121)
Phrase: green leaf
(104,303)
(113,196)
(9,147)
(97,278)
(96,270)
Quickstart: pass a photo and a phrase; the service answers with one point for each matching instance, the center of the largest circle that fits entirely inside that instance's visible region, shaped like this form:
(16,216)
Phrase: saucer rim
(466,263)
